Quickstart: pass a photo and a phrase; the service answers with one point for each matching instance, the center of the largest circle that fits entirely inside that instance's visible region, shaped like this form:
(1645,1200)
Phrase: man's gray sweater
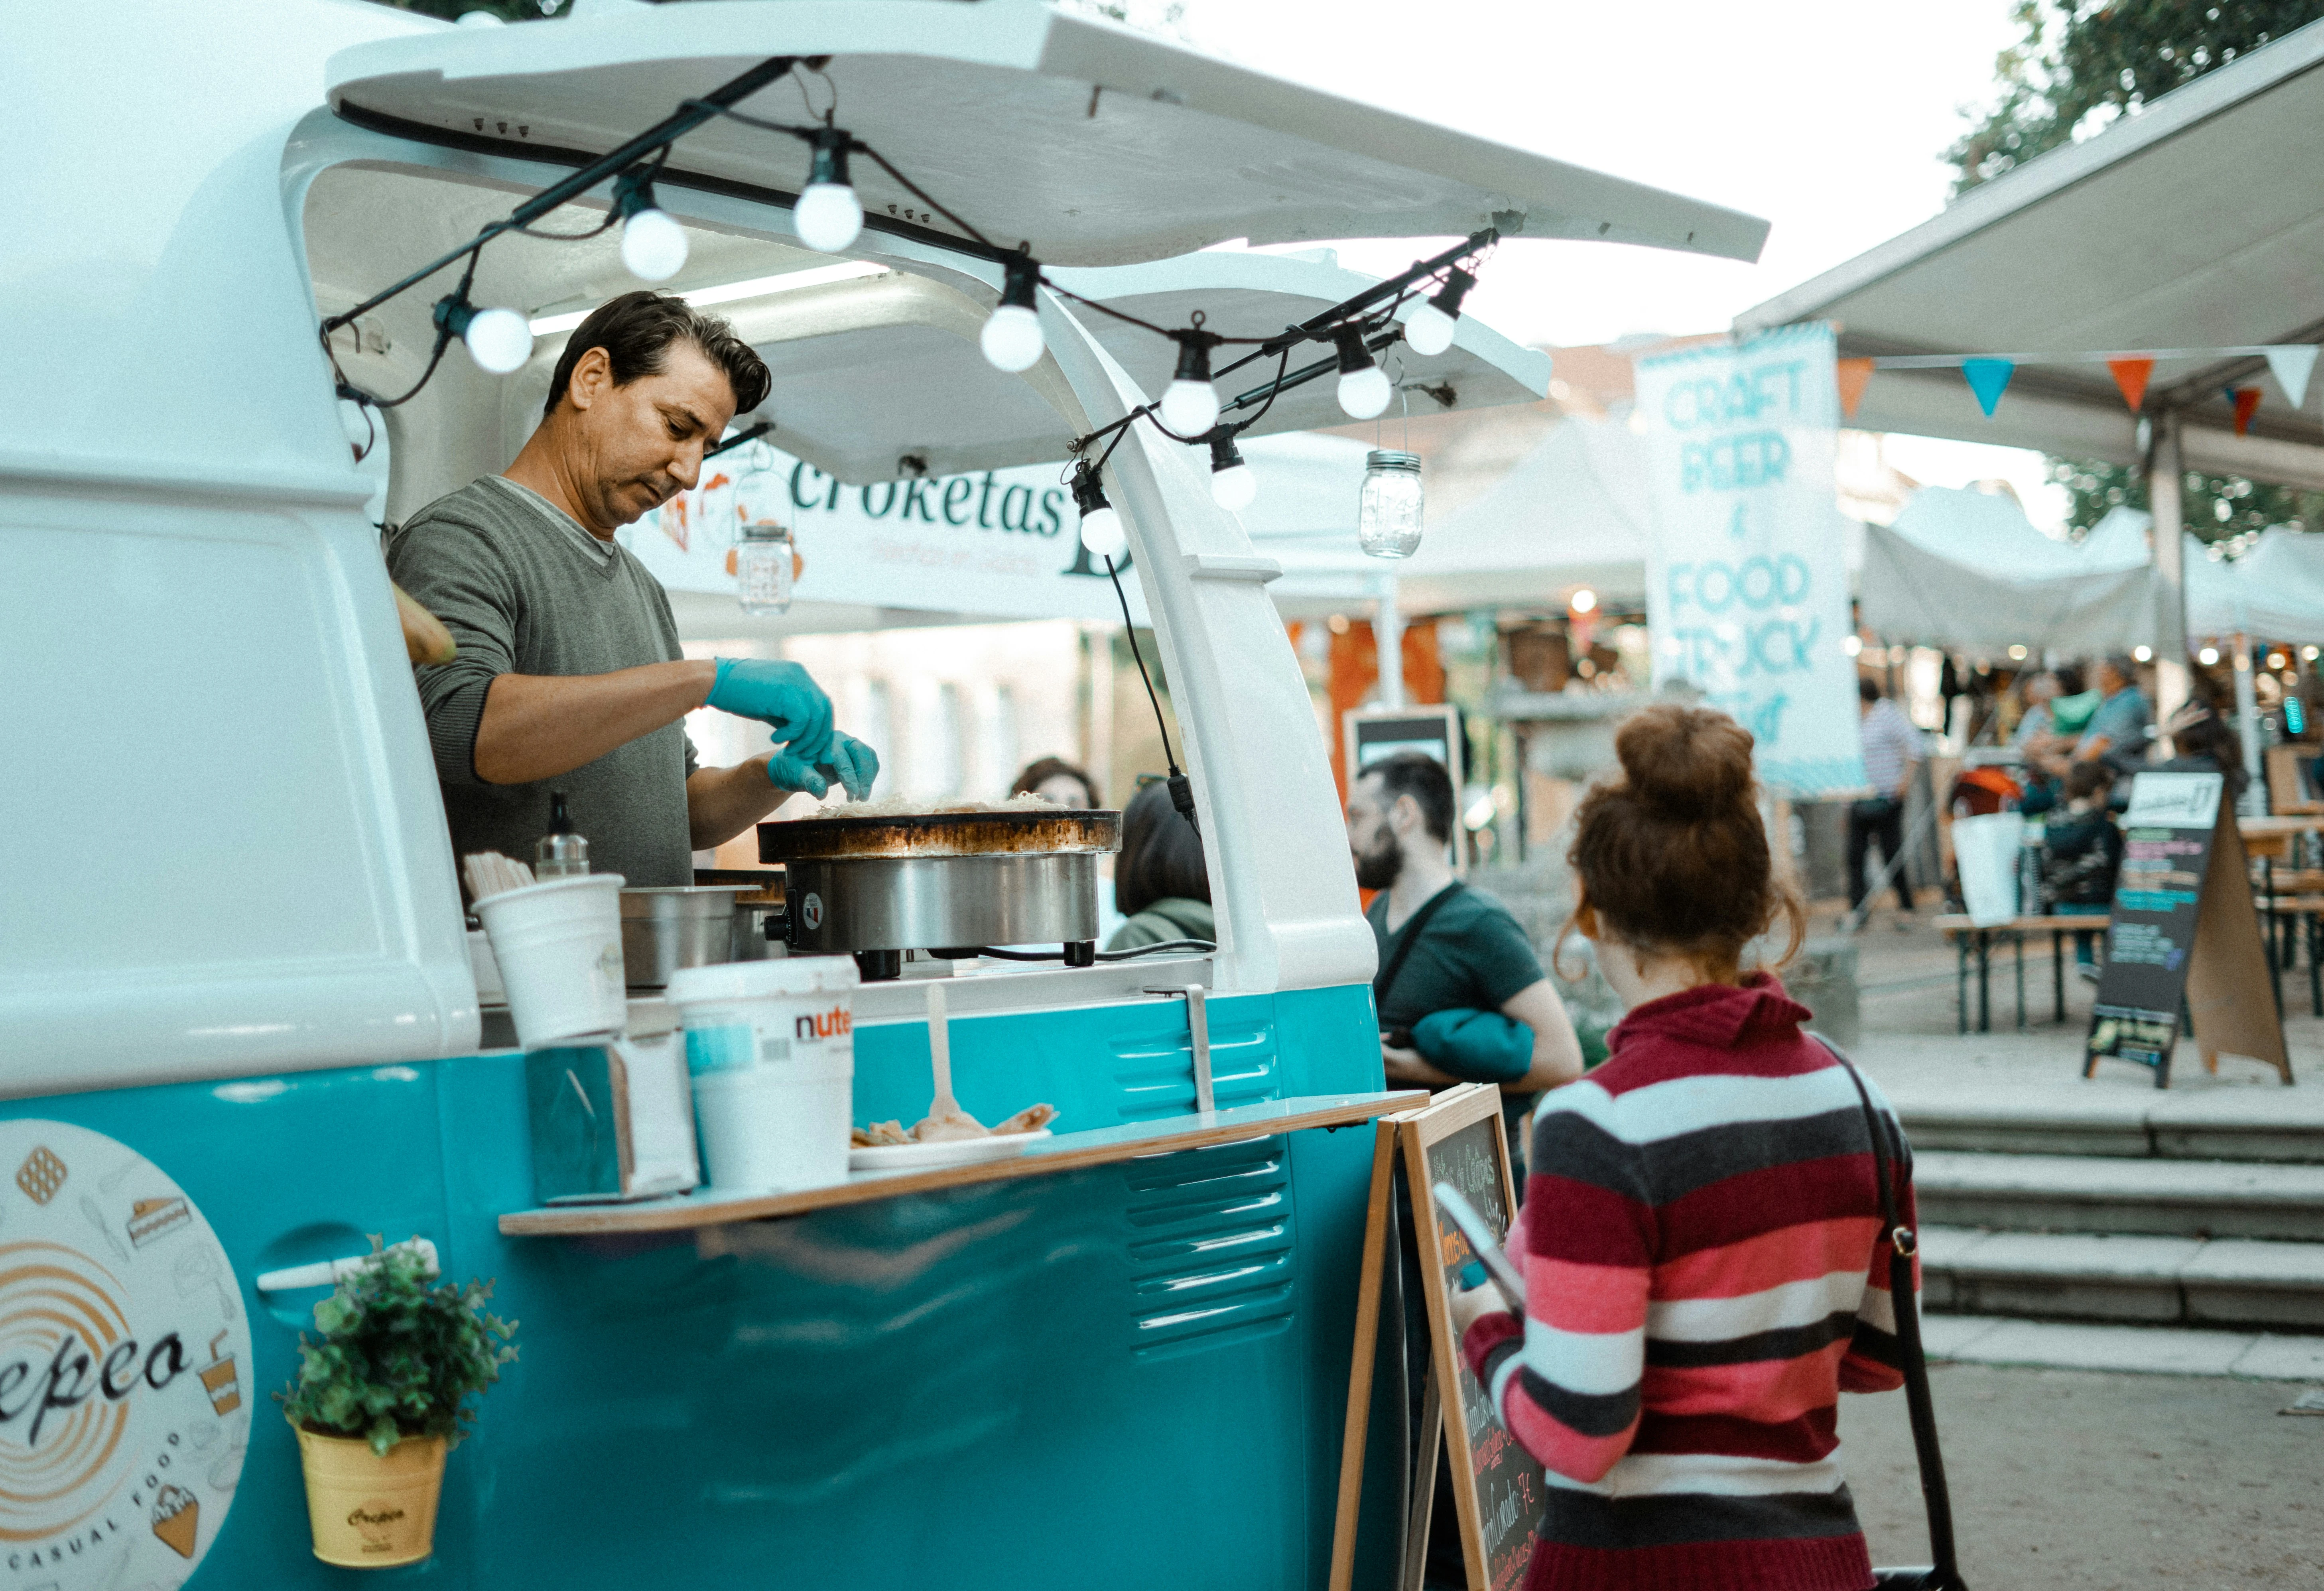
(525,590)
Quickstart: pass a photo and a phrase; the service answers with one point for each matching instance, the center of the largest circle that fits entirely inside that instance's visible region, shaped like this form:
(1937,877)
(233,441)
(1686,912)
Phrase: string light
(499,340)
(1234,484)
(1364,389)
(1011,339)
(1102,531)
(828,215)
(1430,329)
(653,245)
(1190,407)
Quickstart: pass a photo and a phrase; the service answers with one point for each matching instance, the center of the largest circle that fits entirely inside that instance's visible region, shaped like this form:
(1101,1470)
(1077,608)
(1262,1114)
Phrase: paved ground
(2070,1481)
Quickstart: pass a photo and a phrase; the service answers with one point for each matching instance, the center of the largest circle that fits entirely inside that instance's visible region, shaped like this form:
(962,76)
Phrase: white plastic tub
(558,947)
(775,1129)
(744,1014)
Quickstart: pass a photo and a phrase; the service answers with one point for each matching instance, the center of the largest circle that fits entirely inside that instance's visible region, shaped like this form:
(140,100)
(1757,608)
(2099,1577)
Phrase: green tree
(2079,66)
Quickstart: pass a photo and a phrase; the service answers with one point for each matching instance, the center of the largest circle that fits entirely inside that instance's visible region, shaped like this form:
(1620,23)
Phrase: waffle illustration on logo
(178,1519)
(40,1175)
(218,1377)
(156,1218)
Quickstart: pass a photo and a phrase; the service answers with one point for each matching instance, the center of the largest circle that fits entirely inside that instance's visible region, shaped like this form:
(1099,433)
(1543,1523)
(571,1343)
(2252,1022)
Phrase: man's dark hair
(1161,855)
(636,330)
(2069,677)
(1867,687)
(2123,667)
(1040,772)
(1423,778)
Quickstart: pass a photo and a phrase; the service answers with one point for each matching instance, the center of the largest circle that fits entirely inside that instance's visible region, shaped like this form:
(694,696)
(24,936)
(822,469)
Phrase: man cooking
(569,671)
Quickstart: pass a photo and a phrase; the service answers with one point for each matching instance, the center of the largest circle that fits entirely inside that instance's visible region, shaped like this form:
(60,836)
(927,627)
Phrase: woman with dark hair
(1704,1259)
(1053,779)
(1160,881)
(2205,743)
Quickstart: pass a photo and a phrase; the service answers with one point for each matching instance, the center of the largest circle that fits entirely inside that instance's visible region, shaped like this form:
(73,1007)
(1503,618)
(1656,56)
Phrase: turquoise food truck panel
(853,1395)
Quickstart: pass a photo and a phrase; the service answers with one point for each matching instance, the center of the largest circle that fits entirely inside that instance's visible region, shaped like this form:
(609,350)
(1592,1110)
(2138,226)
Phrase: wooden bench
(1972,938)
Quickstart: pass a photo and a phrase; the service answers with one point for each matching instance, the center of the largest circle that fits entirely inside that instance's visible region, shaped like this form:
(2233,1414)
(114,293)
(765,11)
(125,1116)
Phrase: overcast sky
(1826,118)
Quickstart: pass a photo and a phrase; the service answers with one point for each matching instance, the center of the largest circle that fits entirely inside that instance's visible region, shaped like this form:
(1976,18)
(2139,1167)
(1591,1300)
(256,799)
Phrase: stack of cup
(771,1046)
(558,947)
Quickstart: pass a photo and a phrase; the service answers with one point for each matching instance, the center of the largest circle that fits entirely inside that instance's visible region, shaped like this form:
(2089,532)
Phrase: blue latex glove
(1476,1046)
(851,763)
(780,695)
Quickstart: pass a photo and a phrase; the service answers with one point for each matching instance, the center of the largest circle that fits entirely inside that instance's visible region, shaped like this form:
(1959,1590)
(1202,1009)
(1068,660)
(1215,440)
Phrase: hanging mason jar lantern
(1388,514)
(765,565)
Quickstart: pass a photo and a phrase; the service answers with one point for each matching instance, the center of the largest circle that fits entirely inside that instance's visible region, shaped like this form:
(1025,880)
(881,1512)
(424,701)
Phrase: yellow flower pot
(368,1512)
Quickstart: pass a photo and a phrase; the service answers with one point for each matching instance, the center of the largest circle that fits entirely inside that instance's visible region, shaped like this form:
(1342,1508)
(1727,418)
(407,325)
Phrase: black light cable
(1089,496)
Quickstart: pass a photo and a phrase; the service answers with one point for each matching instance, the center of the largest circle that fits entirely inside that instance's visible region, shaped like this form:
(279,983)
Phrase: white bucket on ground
(775,1129)
(558,947)
(745,1014)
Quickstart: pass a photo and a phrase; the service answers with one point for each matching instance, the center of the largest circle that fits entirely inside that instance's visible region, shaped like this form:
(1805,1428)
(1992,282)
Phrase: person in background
(2123,726)
(1892,751)
(1053,779)
(1461,995)
(2206,743)
(1161,884)
(2033,723)
(1701,1243)
(2081,853)
(2035,730)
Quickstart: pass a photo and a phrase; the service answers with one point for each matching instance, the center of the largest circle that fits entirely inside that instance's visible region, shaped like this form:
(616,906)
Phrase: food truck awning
(2195,224)
(1092,143)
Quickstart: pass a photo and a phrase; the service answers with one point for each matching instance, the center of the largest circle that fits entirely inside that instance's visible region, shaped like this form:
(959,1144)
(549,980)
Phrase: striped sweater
(1705,1273)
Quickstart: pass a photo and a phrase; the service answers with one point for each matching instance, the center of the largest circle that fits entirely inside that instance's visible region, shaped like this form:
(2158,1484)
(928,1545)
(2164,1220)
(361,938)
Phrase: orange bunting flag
(2130,376)
(2247,402)
(1853,376)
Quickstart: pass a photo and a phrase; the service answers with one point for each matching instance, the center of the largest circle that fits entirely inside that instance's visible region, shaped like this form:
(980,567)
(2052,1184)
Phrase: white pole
(2164,477)
(1388,630)
(2247,730)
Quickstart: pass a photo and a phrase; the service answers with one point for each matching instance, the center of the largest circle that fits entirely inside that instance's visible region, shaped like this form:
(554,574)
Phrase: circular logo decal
(125,1367)
(811,910)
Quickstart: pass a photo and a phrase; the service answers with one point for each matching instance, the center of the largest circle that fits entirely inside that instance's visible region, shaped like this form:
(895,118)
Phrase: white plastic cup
(559,946)
(775,1129)
(739,1015)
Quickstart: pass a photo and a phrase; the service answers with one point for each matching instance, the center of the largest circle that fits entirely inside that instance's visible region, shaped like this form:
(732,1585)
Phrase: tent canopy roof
(2195,224)
(1092,143)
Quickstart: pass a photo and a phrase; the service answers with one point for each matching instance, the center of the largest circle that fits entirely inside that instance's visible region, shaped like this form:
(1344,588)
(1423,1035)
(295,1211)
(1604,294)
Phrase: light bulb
(827,216)
(1429,331)
(1189,407)
(1364,393)
(499,340)
(653,246)
(1011,339)
(1234,487)
(1102,534)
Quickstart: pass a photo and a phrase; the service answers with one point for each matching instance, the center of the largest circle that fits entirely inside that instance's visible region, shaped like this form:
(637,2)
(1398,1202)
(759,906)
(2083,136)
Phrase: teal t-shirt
(1471,952)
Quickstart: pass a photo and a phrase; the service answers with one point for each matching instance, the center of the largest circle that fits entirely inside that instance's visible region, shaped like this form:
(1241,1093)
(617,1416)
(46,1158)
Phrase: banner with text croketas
(1747,588)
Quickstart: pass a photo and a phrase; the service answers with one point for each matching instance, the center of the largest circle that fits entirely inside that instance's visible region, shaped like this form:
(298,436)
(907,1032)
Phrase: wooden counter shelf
(1064,1151)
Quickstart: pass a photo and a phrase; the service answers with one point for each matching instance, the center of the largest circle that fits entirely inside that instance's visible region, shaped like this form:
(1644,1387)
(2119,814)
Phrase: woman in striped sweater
(1705,1268)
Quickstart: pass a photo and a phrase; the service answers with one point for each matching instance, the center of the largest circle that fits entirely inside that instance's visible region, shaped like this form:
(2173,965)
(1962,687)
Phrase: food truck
(239,1028)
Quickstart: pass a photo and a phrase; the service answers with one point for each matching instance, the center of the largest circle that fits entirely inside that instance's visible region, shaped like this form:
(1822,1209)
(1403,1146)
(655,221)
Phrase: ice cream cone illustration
(176,1520)
(219,1380)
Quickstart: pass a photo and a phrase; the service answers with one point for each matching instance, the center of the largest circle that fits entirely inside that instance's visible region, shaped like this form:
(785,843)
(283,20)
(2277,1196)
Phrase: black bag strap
(1902,1244)
(1386,980)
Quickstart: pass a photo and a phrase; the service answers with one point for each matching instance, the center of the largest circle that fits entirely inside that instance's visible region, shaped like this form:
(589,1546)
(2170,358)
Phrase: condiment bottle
(561,853)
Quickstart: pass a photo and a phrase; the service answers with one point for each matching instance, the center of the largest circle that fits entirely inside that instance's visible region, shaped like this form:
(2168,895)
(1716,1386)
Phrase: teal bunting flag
(1988,379)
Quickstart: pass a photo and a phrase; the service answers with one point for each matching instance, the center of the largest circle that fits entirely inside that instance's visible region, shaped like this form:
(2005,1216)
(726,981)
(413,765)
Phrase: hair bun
(1685,762)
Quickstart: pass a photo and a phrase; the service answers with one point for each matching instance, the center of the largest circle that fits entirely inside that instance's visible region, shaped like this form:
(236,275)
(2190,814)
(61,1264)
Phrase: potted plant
(382,1396)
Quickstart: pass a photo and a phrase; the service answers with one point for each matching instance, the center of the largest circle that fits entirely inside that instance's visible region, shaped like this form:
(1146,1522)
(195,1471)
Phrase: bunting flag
(2246,402)
(2130,376)
(2292,365)
(1854,375)
(1988,379)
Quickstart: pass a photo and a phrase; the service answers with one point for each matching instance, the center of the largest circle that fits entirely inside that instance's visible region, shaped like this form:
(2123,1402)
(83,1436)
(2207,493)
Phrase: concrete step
(2283,1125)
(2154,1197)
(2154,1350)
(2188,1281)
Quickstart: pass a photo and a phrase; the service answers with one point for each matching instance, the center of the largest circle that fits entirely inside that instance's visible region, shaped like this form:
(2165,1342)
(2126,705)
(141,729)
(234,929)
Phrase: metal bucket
(691,926)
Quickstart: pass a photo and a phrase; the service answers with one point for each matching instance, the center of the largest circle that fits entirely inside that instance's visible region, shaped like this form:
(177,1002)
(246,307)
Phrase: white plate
(898,1157)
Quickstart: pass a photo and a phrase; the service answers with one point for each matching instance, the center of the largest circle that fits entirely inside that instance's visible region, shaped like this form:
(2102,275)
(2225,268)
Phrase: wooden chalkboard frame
(1409,1138)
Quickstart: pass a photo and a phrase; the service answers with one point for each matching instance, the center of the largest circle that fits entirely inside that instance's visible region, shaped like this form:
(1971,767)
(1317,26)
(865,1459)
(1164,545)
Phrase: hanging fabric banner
(2130,376)
(1747,588)
(1988,379)
(2292,365)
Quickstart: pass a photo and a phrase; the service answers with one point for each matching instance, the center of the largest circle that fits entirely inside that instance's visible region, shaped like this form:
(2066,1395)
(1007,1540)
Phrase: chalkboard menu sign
(2185,937)
(1497,1488)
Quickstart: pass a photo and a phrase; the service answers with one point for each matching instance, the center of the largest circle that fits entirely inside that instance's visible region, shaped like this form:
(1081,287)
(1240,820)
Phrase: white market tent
(2274,591)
